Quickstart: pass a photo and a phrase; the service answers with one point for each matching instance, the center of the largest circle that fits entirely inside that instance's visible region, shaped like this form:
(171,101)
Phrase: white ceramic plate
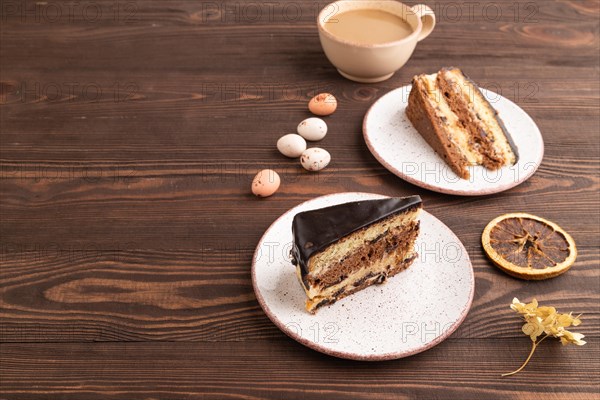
(412,312)
(400,148)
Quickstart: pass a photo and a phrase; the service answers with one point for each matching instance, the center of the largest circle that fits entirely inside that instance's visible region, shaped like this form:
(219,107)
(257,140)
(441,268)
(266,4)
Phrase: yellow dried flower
(547,320)
(533,328)
(567,320)
(572,337)
(527,310)
(544,312)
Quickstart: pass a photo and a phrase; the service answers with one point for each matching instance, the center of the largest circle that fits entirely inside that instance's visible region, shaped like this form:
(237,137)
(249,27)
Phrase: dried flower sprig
(545,322)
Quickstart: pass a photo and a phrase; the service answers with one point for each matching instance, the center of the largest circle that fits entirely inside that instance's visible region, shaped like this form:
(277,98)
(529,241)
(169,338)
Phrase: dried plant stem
(533,347)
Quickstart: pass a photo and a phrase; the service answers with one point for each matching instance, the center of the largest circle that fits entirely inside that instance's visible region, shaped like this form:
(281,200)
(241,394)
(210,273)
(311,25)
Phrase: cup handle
(427,18)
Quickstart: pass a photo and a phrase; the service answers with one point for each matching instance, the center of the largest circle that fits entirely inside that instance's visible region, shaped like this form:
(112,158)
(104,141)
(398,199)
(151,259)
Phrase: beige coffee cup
(369,63)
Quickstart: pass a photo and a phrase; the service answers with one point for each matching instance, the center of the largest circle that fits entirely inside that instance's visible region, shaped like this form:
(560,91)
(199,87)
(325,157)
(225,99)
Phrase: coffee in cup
(368,40)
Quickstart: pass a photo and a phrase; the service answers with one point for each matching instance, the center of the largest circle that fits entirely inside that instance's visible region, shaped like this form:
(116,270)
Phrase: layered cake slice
(458,122)
(342,249)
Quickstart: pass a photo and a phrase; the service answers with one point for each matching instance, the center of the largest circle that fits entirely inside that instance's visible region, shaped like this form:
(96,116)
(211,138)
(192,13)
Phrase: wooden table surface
(130,132)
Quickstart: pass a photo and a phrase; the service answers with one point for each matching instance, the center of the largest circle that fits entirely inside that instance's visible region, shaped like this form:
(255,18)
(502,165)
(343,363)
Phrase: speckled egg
(291,145)
(315,159)
(312,129)
(323,104)
(265,183)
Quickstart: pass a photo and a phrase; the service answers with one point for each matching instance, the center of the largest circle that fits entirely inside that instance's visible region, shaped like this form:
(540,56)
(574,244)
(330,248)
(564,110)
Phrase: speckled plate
(400,148)
(412,312)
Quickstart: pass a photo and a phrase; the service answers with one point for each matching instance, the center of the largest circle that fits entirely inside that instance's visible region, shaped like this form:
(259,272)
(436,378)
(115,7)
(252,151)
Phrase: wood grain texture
(130,132)
(280,368)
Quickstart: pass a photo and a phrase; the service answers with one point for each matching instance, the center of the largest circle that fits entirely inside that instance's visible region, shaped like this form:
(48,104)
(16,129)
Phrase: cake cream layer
(375,251)
(362,279)
(458,122)
(434,123)
(341,249)
(460,137)
(486,128)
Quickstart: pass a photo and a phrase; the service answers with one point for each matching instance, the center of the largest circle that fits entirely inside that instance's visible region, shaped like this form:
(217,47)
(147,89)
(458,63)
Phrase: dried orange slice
(528,247)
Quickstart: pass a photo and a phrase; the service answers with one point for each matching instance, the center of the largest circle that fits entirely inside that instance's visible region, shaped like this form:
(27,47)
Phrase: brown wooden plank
(172,211)
(465,369)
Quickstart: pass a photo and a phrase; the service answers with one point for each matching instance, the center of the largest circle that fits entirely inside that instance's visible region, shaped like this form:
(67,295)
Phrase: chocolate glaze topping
(314,230)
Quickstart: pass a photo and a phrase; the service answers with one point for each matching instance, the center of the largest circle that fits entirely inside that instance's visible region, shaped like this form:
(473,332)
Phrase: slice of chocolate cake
(345,248)
(458,122)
